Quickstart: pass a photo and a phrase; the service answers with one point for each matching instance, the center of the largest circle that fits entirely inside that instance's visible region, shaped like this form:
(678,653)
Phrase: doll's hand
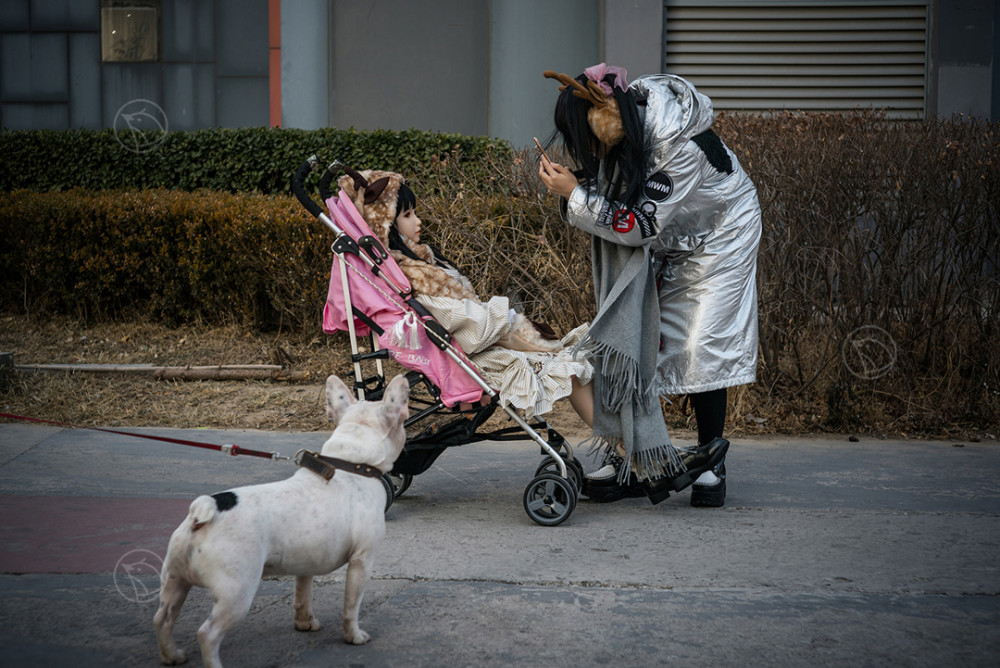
(558,179)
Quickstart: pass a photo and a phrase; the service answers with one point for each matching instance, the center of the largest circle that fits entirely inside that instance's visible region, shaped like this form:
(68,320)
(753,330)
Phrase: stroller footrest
(381,354)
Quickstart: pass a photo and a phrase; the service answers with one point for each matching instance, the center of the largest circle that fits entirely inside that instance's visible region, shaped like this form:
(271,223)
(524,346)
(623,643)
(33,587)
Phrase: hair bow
(598,72)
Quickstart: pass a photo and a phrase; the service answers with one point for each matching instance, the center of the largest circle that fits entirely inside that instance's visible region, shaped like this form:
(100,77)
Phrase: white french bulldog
(302,526)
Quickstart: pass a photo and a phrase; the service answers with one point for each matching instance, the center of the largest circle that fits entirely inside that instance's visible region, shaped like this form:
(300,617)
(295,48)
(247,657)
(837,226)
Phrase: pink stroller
(370,297)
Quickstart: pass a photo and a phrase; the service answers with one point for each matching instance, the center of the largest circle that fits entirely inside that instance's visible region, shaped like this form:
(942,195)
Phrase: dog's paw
(356,637)
(312,624)
(178,658)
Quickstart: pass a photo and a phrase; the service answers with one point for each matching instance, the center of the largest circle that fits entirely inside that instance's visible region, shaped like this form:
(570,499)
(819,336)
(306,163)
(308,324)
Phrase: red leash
(228,449)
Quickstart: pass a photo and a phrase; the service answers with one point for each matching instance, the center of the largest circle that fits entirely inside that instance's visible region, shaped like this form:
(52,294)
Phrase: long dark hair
(405,201)
(623,163)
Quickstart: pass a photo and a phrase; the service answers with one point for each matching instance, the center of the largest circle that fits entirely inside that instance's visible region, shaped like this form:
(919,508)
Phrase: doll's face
(408,225)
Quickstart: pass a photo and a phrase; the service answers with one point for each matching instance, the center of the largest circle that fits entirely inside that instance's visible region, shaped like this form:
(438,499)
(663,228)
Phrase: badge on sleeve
(623,221)
(605,218)
(645,216)
(658,187)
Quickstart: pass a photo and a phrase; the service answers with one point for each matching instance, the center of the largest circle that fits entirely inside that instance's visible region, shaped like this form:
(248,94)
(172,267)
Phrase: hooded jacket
(700,217)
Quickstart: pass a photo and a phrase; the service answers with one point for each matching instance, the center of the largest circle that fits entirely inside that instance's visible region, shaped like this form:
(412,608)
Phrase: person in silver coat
(655,180)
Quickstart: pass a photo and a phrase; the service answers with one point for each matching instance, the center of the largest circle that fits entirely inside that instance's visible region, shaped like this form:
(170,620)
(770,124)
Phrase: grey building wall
(965,42)
(527,38)
(467,66)
(306,64)
(213,69)
(47,56)
(241,65)
(188,68)
(633,35)
(399,64)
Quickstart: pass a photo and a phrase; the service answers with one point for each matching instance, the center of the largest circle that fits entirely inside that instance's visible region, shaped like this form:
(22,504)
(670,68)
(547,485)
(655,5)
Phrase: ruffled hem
(533,382)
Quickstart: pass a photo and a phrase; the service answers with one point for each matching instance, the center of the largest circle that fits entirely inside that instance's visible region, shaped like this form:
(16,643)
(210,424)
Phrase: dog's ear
(396,400)
(338,398)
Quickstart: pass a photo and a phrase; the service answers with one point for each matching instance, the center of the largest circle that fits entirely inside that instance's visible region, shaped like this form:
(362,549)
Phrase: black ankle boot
(701,459)
(711,496)
(657,490)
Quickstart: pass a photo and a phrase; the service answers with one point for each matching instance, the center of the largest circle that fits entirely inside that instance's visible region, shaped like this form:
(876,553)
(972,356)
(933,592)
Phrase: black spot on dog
(225,500)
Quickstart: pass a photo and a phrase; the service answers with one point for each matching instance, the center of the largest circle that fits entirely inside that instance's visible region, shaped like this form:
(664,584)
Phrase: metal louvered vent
(819,55)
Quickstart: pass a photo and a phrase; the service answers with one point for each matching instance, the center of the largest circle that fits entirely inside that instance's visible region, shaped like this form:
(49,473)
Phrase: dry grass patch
(127,400)
(97,399)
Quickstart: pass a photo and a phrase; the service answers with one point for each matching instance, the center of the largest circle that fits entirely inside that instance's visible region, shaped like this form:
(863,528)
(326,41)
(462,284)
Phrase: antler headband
(593,93)
(597,91)
(603,116)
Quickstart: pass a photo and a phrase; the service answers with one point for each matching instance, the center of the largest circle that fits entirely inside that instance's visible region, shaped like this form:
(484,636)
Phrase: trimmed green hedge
(165,255)
(233,160)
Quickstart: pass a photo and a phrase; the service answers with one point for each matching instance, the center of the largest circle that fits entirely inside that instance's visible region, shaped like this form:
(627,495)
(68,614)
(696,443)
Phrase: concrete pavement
(827,553)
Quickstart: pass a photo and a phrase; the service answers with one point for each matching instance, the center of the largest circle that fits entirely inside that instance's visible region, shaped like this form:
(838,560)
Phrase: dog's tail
(202,511)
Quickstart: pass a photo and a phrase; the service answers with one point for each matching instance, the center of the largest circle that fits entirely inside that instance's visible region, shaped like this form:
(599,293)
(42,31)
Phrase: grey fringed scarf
(624,339)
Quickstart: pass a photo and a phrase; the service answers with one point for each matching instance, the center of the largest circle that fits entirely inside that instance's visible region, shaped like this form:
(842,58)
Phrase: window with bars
(819,55)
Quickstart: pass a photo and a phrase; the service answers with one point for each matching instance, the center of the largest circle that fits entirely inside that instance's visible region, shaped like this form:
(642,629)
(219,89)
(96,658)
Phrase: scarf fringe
(662,461)
(624,384)
(606,445)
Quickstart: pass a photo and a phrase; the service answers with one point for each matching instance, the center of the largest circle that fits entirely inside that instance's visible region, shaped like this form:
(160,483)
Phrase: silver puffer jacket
(703,227)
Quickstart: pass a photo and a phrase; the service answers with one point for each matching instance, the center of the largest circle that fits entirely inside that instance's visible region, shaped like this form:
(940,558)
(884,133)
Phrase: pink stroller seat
(383,307)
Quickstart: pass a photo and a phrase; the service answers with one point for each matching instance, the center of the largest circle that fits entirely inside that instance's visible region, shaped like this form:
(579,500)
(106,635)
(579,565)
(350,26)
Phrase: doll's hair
(625,159)
(405,200)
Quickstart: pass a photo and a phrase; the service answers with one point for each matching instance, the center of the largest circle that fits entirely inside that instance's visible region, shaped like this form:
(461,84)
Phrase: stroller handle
(327,178)
(298,186)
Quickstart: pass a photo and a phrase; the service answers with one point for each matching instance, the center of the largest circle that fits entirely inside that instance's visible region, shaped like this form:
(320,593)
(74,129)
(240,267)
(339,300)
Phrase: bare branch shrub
(506,235)
(878,280)
(878,283)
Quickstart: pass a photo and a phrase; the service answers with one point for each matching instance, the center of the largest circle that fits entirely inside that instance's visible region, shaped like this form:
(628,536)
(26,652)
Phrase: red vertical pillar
(274,59)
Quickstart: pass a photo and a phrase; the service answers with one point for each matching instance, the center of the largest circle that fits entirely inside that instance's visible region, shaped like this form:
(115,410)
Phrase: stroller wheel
(400,483)
(389,496)
(574,469)
(549,499)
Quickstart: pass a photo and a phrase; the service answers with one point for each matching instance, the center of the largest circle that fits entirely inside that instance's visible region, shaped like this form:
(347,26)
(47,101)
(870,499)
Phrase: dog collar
(326,467)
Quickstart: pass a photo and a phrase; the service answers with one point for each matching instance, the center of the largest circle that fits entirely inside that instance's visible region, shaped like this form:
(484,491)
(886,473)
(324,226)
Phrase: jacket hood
(675,111)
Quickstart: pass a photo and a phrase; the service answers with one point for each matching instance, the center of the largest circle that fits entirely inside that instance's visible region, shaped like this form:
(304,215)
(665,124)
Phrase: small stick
(541,150)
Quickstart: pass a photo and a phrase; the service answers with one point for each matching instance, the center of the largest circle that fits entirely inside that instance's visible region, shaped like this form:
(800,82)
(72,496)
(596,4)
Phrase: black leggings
(709,413)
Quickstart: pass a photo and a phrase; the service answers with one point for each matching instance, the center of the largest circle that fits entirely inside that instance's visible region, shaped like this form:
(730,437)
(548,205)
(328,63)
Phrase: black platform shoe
(711,496)
(602,485)
(701,459)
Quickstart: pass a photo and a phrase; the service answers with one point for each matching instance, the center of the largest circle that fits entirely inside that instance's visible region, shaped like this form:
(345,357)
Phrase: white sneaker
(603,473)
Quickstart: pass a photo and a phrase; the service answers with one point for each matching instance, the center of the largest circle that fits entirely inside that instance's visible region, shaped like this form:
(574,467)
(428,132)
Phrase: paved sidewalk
(827,553)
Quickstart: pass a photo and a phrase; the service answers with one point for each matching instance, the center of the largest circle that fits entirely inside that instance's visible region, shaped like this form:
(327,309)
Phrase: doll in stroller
(464,358)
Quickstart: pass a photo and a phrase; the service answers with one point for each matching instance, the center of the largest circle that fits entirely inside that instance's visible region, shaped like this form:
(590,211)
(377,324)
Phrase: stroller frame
(552,494)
